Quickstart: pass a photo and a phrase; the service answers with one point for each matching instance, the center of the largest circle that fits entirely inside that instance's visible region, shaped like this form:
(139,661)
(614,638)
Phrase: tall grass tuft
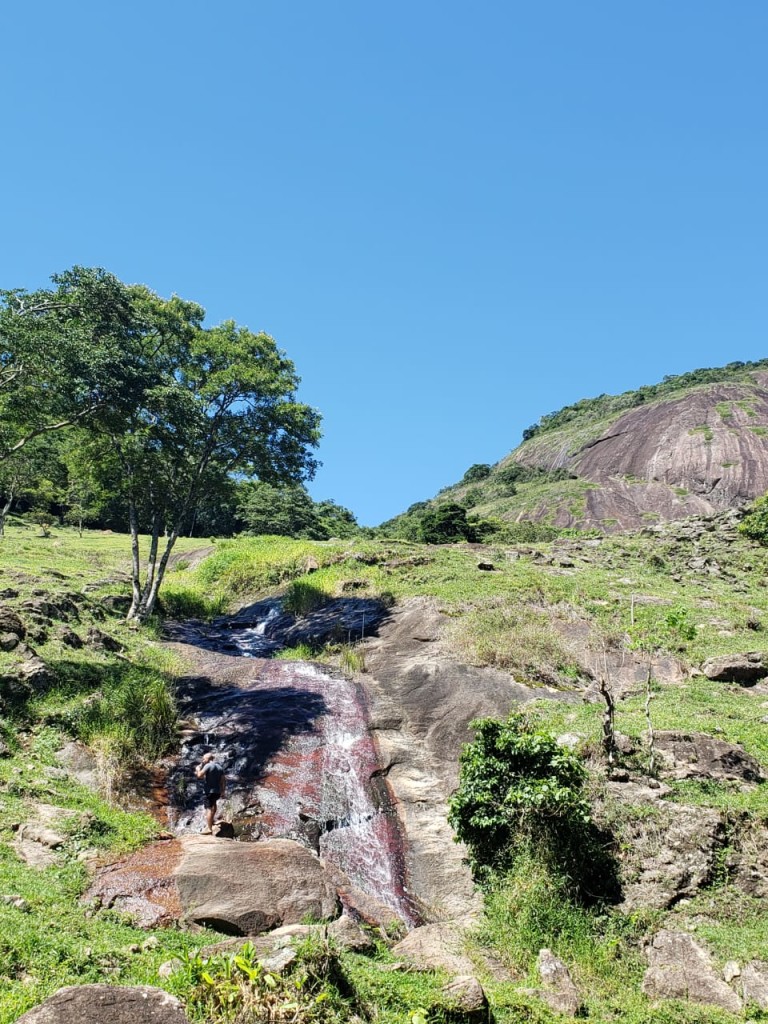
(303,597)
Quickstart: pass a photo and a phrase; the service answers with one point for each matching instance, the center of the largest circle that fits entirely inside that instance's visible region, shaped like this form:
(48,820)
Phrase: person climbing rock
(214,785)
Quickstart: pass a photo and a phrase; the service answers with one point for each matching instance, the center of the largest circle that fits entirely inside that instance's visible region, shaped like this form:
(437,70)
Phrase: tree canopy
(170,412)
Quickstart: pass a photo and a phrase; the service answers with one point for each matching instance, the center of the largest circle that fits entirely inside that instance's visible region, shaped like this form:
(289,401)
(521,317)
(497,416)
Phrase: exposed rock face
(737,668)
(754,984)
(107,1004)
(668,855)
(247,888)
(680,969)
(697,756)
(694,455)
(422,702)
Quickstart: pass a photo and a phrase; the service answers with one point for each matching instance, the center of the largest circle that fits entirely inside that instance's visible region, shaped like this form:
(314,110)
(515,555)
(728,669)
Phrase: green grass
(53,941)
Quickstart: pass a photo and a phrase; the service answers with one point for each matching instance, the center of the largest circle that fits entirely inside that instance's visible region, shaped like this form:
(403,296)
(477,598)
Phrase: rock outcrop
(680,969)
(247,888)
(107,1004)
(692,455)
(746,669)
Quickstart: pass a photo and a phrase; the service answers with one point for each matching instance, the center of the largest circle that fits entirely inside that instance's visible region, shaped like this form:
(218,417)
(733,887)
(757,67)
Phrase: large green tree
(68,353)
(172,410)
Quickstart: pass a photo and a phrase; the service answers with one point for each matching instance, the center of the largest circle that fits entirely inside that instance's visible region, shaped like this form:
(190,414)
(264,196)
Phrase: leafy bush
(475,473)
(522,795)
(445,524)
(755,524)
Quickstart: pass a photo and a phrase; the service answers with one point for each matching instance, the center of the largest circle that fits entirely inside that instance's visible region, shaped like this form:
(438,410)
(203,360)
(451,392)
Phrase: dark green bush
(522,794)
(755,523)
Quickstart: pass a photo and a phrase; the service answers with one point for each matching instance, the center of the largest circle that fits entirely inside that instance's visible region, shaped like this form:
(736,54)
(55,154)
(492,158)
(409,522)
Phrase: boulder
(10,622)
(465,995)
(737,668)
(116,604)
(107,1004)
(80,764)
(101,641)
(69,637)
(681,969)
(435,947)
(247,888)
(35,673)
(558,990)
(697,756)
(754,984)
(9,641)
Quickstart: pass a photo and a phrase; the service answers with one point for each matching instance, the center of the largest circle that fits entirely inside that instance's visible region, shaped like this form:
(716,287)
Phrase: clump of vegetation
(235,988)
(755,524)
(521,794)
(303,597)
(518,637)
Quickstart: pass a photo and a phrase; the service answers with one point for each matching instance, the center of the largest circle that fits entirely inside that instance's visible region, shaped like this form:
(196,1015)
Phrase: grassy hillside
(693,590)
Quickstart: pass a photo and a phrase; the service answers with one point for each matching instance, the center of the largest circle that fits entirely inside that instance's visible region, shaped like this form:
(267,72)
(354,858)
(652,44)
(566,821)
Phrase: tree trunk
(133,521)
(149,597)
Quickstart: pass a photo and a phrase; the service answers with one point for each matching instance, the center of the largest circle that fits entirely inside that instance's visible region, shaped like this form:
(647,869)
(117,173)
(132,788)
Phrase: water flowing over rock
(301,764)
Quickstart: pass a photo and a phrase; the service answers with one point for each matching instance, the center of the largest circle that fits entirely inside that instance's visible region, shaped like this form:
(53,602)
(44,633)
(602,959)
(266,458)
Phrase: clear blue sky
(454,217)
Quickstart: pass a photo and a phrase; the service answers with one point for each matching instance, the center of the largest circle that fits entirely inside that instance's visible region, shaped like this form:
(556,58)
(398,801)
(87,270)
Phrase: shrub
(445,524)
(755,524)
(475,473)
(522,795)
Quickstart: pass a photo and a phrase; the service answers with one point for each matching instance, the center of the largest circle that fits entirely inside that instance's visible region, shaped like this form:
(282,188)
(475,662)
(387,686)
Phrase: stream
(301,763)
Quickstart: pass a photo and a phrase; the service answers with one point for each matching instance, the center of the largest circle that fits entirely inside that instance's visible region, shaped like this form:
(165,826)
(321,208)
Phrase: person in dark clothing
(214,785)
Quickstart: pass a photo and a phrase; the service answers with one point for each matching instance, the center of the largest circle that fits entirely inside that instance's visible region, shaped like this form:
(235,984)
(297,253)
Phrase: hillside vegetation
(693,444)
(691,590)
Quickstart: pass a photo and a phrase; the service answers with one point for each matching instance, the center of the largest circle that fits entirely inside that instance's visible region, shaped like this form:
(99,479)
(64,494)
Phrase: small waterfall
(299,760)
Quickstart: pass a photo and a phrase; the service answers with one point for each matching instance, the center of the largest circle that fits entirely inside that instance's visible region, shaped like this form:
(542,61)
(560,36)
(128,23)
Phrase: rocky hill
(695,444)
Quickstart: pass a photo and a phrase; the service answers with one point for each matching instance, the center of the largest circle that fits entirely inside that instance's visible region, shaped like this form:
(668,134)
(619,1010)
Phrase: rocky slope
(695,450)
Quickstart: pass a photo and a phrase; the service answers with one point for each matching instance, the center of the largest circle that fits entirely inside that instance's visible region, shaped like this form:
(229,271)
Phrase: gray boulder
(745,668)
(558,990)
(754,984)
(465,995)
(680,969)
(697,756)
(247,888)
(107,1004)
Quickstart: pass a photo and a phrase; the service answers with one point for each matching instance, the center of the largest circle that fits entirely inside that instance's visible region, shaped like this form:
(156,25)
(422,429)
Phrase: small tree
(444,524)
(518,788)
(475,473)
